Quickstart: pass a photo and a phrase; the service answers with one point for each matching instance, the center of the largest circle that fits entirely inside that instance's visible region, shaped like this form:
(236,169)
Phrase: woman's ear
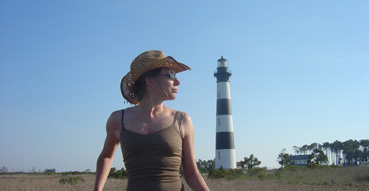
(150,82)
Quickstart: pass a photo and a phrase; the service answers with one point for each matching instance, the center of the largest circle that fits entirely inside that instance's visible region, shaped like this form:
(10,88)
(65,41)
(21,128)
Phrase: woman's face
(167,84)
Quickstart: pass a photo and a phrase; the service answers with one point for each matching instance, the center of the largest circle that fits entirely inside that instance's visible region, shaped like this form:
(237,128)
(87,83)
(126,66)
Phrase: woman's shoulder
(182,116)
(174,112)
(186,118)
(120,112)
(116,114)
(115,119)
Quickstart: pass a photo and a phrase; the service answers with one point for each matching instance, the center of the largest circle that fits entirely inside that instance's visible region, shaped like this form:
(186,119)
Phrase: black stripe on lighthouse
(223,74)
(224,140)
(224,107)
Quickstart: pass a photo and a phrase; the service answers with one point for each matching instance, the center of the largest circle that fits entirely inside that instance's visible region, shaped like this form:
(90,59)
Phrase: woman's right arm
(105,160)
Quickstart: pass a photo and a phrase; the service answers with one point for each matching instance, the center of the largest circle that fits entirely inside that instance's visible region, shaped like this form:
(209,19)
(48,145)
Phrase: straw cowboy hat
(143,63)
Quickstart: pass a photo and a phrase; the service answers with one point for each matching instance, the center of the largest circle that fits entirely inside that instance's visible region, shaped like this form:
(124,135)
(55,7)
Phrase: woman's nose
(176,81)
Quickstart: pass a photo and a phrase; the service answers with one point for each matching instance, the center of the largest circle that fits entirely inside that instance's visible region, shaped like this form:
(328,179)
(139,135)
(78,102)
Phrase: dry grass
(353,178)
(339,179)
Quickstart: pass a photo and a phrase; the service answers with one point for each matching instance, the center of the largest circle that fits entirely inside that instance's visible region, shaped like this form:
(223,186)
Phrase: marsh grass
(326,176)
(71,180)
(348,178)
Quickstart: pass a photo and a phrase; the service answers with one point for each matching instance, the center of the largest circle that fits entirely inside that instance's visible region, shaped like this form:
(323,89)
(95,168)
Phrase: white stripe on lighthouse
(223,90)
(224,123)
(225,158)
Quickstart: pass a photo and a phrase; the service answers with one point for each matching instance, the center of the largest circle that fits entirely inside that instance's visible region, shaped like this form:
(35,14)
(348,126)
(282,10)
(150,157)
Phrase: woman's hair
(139,88)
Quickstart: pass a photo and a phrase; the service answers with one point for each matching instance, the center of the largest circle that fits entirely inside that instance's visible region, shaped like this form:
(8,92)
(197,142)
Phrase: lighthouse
(225,154)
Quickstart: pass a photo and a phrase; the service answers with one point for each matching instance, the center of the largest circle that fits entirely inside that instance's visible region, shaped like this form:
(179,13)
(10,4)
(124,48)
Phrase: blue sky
(300,73)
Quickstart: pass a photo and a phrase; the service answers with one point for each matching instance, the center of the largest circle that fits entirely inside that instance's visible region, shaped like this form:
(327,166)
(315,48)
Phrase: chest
(145,126)
(166,141)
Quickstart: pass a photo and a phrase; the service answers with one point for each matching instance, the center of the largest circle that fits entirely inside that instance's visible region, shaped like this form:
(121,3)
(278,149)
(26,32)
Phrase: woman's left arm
(192,175)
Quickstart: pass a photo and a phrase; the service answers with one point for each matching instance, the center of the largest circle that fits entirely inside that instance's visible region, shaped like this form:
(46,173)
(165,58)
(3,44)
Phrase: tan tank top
(152,161)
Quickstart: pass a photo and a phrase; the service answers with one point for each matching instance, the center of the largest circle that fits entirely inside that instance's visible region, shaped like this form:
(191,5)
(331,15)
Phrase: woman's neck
(150,107)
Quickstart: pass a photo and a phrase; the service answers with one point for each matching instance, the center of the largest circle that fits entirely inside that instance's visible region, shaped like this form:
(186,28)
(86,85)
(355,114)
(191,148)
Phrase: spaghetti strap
(123,117)
(175,118)
(180,124)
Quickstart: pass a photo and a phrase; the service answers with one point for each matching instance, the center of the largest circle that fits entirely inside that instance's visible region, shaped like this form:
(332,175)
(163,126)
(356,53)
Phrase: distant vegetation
(71,180)
(347,153)
(4,170)
(322,156)
(122,173)
(247,167)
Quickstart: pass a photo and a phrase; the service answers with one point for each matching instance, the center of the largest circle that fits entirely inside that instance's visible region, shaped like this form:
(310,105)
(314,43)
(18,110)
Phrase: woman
(155,140)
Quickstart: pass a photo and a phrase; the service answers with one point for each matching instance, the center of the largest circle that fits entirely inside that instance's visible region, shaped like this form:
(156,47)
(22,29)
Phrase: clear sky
(300,73)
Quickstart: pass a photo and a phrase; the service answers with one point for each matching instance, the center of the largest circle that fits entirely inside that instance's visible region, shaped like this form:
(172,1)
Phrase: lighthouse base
(225,158)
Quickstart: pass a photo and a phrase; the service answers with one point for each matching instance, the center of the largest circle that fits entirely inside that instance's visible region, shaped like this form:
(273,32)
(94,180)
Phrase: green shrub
(292,168)
(278,173)
(262,176)
(122,174)
(317,166)
(254,171)
(335,166)
(70,173)
(71,180)
(234,173)
(228,174)
(214,174)
(312,165)
(238,173)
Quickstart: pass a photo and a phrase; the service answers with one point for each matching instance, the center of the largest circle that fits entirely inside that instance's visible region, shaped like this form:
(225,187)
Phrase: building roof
(299,157)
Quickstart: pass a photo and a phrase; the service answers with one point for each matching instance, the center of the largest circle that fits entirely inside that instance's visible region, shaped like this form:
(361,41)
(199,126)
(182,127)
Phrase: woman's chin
(172,97)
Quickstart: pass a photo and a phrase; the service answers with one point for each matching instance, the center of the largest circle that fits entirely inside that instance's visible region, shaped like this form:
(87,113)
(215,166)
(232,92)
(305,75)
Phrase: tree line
(350,152)
(246,167)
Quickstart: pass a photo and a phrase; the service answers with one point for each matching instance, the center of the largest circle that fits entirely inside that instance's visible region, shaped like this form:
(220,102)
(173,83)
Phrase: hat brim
(128,82)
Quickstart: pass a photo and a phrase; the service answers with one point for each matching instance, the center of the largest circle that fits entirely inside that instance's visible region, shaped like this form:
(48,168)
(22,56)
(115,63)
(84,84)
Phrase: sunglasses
(171,75)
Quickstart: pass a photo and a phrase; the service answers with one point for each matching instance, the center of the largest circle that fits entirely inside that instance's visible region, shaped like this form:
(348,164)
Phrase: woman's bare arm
(192,175)
(106,157)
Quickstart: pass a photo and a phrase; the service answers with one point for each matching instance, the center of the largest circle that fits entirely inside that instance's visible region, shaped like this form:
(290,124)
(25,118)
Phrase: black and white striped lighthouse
(225,155)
